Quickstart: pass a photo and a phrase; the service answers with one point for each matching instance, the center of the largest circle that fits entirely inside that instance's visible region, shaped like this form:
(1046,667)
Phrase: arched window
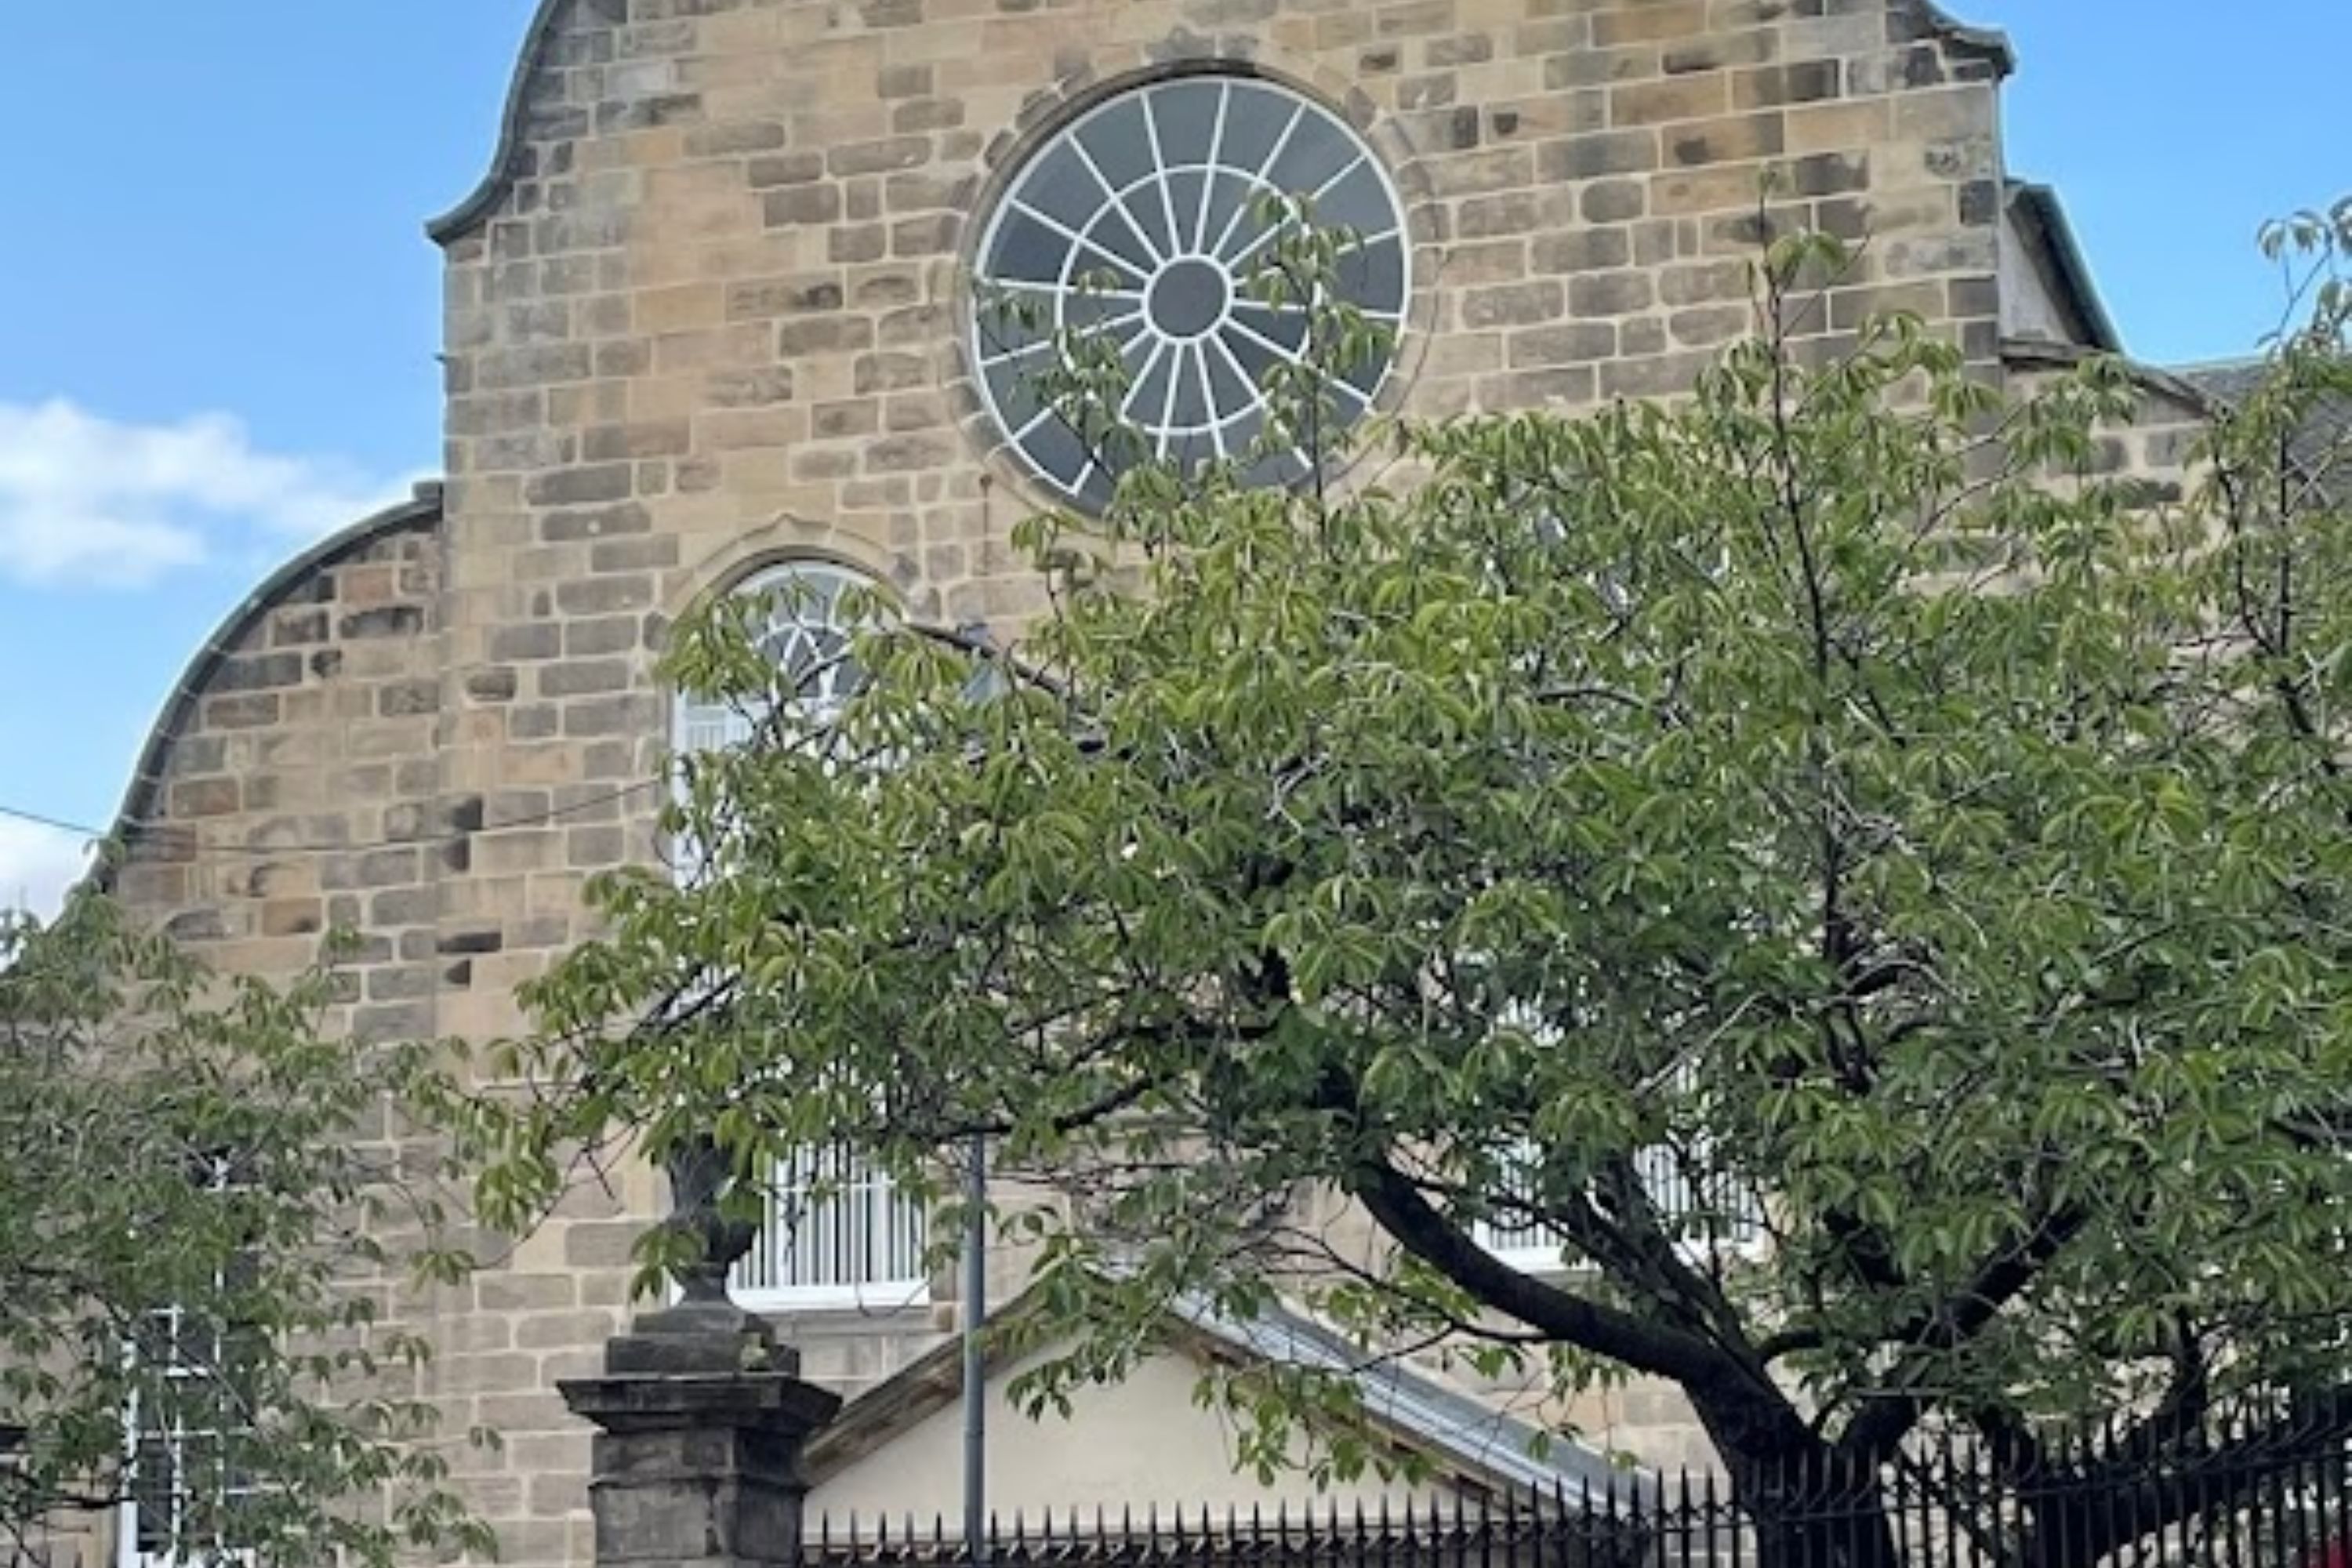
(837,1232)
(808,633)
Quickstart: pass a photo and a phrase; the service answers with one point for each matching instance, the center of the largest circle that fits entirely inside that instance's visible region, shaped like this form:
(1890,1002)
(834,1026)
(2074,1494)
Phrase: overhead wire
(39,820)
(181,836)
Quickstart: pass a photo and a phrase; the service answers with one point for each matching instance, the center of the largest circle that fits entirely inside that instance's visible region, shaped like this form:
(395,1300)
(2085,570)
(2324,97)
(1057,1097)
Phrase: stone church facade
(709,313)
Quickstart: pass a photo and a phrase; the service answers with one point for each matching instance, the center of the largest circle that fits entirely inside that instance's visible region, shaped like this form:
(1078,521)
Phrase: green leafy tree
(192,1181)
(1838,790)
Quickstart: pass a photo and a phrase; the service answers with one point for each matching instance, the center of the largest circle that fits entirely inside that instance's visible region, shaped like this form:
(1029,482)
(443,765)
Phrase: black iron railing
(2252,1496)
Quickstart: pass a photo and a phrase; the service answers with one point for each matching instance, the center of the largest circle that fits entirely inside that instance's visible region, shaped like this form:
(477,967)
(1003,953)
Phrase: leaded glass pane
(1141,219)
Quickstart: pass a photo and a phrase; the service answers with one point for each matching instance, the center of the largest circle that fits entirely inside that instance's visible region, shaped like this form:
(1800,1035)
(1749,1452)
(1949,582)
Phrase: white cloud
(37,864)
(89,501)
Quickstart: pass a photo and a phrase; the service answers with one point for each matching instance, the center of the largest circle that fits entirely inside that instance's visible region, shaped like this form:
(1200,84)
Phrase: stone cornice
(1989,42)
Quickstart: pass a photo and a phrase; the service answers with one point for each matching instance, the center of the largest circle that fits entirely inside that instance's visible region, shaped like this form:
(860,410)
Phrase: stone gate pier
(701,1419)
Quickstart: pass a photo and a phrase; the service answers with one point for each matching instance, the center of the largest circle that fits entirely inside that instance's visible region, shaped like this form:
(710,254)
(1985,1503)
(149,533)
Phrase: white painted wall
(1139,1443)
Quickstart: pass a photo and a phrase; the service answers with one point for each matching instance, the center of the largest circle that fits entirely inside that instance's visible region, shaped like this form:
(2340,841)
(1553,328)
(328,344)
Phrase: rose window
(1147,219)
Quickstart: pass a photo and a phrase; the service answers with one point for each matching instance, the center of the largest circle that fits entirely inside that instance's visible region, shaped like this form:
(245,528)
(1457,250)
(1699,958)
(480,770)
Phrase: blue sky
(218,312)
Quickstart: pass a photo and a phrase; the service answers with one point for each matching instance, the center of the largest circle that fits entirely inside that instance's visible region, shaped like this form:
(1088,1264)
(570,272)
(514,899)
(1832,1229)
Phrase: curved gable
(302,581)
(300,739)
(536,106)
(516,131)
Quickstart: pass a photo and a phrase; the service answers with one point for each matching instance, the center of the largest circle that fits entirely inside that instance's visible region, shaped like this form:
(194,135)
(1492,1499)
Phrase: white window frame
(170,1324)
(131,1511)
(1115,255)
(806,1255)
(865,1220)
(700,726)
(1533,1247)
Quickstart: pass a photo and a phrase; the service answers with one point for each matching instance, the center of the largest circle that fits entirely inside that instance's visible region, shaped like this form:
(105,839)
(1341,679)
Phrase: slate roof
(2327,432)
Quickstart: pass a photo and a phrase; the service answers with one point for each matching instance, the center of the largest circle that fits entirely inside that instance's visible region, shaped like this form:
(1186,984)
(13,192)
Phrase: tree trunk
(1808,1505)
(1828,1516)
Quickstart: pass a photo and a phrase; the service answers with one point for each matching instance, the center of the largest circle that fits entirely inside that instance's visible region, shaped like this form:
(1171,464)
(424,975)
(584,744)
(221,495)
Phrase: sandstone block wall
(2156,449)
(706,315)
(710,312)
(294,785)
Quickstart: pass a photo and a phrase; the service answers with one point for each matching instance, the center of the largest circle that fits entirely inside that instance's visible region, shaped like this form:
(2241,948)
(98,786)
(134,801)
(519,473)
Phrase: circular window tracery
(1144,219)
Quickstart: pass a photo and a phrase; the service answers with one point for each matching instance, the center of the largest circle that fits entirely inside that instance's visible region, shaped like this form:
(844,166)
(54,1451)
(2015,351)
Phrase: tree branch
(1738,1402)
(1888,1418)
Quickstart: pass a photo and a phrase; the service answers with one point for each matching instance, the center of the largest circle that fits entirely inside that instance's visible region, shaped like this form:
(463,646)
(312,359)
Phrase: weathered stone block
(1613,201)
(880,156)
(390,621)
(1573,342)
(1797,81)
(1581,250)
(408,698)
(573,487)
(204,797)
(905,454)
(800,205)
(258,672)
(1611,294)
(1512,304)
(1585,157)
(1697,97)
(823,334)
(604,596)
(245,711)
(581,678)
(1650,23)
(1727,141)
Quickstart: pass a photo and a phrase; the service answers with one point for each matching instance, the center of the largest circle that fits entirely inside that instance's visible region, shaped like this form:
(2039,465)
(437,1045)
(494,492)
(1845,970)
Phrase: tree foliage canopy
(1840,785)
(191,1262)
